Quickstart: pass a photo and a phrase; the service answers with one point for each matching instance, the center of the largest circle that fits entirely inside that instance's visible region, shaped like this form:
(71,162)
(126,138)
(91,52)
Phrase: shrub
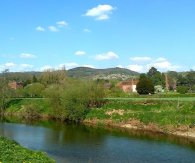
(145,86)
(73,100)
(182,89)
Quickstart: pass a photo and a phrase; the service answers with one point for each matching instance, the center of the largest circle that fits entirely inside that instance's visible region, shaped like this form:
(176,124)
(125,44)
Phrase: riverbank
(183,131)
(163,116)
(175,117)
(10,151)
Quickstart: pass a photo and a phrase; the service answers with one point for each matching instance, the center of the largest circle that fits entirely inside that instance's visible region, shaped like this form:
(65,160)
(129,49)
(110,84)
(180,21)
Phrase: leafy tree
(182,89)
(182,80)
(145,85)
(172,77)
(34,79)
(34,90)
(190,79)
(73,99)
(152,72)
(156,77)
(53,77)
(4,91)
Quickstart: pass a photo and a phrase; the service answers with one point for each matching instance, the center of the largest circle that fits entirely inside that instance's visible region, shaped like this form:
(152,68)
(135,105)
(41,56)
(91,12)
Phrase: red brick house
(15,85)
(129,85)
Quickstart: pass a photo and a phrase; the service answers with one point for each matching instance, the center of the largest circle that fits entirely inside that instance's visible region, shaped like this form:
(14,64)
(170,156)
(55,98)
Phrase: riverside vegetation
(10,151)
(53,95)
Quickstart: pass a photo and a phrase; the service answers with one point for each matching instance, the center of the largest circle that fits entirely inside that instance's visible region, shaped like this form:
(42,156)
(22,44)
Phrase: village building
(129,85)
(15,85)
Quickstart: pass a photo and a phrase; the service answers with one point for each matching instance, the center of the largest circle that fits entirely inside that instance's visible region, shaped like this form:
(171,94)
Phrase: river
(79,143)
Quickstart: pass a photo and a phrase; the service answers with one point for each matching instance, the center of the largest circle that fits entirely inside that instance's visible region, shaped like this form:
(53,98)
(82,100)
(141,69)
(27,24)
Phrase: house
(129,85)
(15,85)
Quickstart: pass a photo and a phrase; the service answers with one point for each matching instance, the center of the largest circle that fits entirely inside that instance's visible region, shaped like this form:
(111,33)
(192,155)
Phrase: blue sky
(134,34)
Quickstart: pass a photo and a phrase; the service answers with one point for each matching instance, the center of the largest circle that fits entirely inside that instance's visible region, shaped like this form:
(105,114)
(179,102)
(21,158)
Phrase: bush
(30,112)
(72,100)
(145,86)
(182,89)
(34,90)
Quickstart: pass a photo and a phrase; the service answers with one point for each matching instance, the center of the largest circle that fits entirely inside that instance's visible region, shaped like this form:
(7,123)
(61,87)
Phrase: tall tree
(156,76)
(191,79)
(4,90)
(145,85)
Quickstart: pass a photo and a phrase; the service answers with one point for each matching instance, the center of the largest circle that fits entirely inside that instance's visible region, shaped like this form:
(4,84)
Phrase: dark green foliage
(182,80)
(157,77)
(145,85)
(10,151)
(182,89)
(191,79)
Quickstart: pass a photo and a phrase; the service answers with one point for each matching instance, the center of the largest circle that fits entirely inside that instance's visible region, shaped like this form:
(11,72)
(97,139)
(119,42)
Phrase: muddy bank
(181,131)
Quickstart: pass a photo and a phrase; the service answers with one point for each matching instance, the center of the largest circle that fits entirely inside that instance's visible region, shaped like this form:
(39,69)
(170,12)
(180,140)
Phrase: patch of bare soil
(120,112)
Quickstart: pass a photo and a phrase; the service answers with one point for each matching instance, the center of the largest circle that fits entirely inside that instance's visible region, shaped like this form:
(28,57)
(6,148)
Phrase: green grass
(141,98)
(17,105)
(10,151)
(161,112)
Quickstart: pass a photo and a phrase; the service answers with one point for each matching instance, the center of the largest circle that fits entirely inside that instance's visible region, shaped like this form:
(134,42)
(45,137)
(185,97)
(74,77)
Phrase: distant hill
(79,72)
(109,73)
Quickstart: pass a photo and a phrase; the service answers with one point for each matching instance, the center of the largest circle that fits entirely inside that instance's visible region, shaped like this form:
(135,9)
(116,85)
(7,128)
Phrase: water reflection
(79,143)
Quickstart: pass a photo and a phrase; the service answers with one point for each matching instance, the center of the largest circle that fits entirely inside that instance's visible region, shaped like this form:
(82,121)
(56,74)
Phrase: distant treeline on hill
(80,72)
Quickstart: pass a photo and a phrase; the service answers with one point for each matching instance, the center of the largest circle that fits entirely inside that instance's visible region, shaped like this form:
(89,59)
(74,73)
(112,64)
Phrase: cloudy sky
(134,34)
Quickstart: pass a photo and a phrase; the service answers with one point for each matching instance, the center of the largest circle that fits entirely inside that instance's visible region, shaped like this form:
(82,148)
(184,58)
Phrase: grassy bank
(161,114)
(10,151)
(164,114)
(29,108)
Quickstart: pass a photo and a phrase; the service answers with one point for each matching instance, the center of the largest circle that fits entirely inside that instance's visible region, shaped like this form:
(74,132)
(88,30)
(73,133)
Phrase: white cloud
(16,67)
(101,12)
(120,66)
(62,24)
(40,29)
(141,59)
(163,65)
(71,65)
(137,68)
(80,53)
(90,66)
(27,55)
(106,56)
(46,67)
(161,59)
(53,29)
(9,65)
(24,65)
(86,30)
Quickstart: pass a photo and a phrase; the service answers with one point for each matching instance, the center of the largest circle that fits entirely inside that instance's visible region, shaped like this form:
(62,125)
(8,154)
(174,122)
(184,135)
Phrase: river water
(79,143)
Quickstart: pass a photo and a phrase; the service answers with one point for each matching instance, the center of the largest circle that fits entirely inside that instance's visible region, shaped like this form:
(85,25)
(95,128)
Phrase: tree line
(154,82)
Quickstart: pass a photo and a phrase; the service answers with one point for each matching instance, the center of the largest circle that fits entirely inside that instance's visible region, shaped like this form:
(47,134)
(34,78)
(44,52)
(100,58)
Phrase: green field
(162,112)
(155,98)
